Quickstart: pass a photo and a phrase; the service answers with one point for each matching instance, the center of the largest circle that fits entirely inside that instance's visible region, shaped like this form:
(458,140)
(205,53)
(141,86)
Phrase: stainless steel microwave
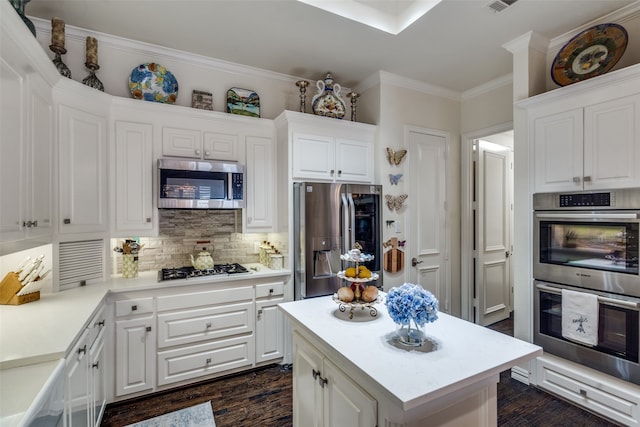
(200,184)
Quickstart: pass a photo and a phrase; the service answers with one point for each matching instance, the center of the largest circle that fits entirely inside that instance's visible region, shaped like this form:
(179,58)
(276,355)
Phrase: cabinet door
(135,355)
(260,185)
(558,151)
(40,145)
(134,178)
(345,403)
(98,380)
(77,394)
(220,146)
(354,161)
(313,157)
(269,330)
(83,181)
(12,136)
(612,144)
(181,142)
(307,393)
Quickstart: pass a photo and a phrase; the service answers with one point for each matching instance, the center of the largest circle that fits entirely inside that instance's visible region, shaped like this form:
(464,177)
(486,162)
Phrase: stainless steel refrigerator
(328,220)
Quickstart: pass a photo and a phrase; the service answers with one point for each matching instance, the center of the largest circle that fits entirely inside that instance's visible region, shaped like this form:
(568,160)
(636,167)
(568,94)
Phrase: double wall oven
(588,242)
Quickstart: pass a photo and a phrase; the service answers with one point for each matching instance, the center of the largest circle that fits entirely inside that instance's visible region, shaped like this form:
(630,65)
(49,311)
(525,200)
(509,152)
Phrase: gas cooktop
(189,272)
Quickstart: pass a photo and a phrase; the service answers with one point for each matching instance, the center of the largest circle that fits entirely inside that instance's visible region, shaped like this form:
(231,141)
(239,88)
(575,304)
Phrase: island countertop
(463,354)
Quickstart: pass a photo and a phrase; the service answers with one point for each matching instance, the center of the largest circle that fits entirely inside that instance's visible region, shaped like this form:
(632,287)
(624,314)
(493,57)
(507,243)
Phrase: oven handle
(608,301)
(588,215)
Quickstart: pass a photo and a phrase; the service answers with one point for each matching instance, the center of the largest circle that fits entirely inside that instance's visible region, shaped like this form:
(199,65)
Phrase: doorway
(487,225)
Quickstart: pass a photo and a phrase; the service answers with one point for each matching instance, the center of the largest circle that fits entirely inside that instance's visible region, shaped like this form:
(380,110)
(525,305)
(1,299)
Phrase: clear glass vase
(410,334)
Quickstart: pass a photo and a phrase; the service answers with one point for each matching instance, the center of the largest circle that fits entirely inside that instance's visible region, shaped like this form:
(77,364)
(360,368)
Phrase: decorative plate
(153,82)
(590,53)
(243,101)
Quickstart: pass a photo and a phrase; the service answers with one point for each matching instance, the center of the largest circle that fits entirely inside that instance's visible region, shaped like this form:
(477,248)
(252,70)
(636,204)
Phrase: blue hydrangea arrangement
(412,302)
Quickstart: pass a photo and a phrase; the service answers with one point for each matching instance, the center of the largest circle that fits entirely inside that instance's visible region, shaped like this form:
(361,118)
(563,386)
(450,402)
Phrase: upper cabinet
(82,126)
(587,137)
(325,149)
(27,140)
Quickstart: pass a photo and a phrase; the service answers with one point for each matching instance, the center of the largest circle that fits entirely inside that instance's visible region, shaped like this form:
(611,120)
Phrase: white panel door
(493,287)
(313,157)
(307,393)
(345,403)
(135,355)
(269,330)
(426,205)
(220,146)
(134,177)
(354,161)
(260,188)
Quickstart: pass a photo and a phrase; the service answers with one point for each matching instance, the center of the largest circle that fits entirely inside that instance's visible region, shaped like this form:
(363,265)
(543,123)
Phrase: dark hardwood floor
(263,398)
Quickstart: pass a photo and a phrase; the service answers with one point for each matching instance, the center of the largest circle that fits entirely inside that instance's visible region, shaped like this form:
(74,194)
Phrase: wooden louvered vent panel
(80,263)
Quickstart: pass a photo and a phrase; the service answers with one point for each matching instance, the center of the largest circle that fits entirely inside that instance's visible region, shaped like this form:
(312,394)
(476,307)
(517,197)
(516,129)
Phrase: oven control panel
(586,199)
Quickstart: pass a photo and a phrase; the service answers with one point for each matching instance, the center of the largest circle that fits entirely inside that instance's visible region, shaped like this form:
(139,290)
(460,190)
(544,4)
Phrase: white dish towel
(580,317)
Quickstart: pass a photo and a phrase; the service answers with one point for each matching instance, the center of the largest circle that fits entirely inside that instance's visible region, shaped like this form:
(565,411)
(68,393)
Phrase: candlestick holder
(353,96)
(57,46)
(57,61)
(302,84)
(92,80)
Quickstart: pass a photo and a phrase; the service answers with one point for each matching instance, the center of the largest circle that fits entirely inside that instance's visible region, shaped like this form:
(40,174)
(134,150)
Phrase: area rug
(195,416)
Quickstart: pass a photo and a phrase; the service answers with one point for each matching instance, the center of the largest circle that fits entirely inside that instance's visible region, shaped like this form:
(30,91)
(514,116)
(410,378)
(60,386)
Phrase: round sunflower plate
(153,82)
(590,53)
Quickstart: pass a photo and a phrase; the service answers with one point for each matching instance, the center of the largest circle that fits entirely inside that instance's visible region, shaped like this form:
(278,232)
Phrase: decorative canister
(264,259)
(129,266)
(276,261)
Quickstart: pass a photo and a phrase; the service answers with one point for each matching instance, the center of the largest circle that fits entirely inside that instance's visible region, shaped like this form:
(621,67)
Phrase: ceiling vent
(500,5)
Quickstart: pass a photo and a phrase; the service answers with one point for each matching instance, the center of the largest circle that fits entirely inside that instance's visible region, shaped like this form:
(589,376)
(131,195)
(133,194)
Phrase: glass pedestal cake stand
(358,302)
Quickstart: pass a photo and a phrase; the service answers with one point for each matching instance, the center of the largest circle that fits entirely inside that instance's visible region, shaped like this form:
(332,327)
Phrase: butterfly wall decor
(395,203)
(393,179)
(395,157)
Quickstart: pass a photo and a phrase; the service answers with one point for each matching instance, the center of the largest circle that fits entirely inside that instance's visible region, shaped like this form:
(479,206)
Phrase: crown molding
(619,16)
(426,88)
(142,48)
(494,84)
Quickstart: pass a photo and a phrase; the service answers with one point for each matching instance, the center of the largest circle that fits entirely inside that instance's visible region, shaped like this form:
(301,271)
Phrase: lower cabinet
(610,397)
(85,388)
(323,395)
(269,322)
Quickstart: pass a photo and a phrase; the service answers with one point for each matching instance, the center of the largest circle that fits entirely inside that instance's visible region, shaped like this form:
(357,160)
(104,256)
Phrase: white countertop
(35,336)
(465,353)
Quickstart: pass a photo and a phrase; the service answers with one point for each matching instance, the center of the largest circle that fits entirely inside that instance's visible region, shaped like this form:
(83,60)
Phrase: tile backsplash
(179,232)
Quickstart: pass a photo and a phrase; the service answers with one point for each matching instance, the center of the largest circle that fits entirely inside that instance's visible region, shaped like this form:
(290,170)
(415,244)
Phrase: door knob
(414,262)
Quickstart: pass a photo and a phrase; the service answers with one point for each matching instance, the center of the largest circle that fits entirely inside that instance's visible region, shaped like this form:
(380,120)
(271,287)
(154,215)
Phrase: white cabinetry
(260,211)
(594,391)
(134,213)
(325,149)
(324,395)
(82,114)
(269,322)
(588,139)
(201,333)
(200,144)
(26,153)
(85,385)
(135,345)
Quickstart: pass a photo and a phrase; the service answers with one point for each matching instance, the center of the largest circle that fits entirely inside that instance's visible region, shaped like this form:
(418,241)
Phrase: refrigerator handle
(345,224)
(352,220)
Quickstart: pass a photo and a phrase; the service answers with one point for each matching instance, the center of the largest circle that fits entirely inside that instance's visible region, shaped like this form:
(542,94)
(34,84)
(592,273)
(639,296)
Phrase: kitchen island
(353,371)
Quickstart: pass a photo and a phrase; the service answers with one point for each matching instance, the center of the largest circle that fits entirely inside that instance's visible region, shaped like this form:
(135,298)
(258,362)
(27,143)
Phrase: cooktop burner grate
(188,272)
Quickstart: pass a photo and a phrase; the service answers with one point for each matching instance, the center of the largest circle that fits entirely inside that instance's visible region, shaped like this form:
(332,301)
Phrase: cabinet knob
(96,365)
(134,308)
(208,360)
(99,324)
(586,179)
(83,349)
(148,220)
(259,313)
(66,221)
(208,325)
(339,172)
(576,179)
(270,291)
(207,153)
(148,329)
(197,152)
(332,172)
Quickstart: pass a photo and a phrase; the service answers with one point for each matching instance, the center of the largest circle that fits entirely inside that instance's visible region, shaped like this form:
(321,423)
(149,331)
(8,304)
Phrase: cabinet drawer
(204,359)
(607,396)
(134,306)
(270,289)
(208,298)
(190,326)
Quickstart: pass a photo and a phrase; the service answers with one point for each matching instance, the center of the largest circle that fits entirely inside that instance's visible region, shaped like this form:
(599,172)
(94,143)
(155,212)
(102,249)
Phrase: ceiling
(457,45)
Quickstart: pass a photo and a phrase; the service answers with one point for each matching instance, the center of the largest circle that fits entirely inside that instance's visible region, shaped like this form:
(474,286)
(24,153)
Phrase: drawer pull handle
(100,323)
(583,392)
(270,291)
(259,313)
(96,365)
(148,329)
(208,324)
(83,349)
(66,221)
(208,360)
(315,374)
(134,308)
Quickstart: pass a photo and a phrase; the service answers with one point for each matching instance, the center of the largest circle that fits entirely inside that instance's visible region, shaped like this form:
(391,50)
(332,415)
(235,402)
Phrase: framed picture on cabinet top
(243,101)
(202,100)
